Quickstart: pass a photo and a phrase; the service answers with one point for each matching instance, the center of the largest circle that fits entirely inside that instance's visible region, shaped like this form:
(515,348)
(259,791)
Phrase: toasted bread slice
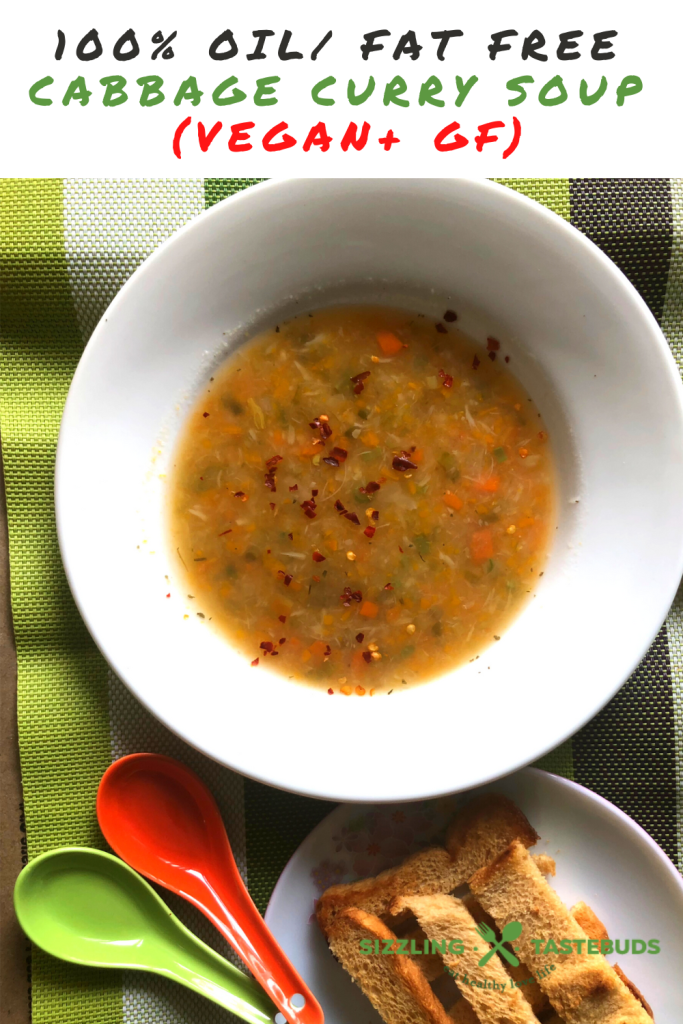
(635,991)
(394,984)
(587,919)
(582,988)
(479,832)
(487,989)
(483,828)
(430,870)
(595,929)
(462,1013)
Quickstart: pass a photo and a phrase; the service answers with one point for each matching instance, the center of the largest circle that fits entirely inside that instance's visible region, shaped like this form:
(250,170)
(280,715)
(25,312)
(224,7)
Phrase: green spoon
(90,908)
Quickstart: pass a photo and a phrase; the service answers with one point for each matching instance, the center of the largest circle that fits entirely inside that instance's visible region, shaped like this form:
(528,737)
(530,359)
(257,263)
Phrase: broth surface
(362,498)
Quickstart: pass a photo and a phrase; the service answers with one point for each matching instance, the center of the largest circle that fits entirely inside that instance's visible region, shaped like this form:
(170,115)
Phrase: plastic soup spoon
(90,908)
(163,821)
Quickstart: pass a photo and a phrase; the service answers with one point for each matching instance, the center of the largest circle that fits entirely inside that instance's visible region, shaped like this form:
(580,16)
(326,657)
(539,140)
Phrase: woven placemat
(67,247)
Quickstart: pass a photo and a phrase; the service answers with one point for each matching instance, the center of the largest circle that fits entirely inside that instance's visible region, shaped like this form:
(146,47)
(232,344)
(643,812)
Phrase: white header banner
(351,89)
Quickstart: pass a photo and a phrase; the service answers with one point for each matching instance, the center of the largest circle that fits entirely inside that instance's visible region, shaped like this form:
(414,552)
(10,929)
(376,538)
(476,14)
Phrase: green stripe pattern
(74,717)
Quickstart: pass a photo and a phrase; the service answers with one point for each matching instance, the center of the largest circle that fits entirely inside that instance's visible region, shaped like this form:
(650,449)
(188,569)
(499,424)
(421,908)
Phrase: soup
(362,499)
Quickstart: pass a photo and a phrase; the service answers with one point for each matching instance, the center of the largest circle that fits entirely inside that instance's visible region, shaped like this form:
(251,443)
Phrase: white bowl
(581,341)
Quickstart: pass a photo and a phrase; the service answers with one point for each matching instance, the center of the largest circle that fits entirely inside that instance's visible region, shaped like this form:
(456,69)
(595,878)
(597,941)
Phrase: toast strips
(582,988)
(597,993)
(480,831)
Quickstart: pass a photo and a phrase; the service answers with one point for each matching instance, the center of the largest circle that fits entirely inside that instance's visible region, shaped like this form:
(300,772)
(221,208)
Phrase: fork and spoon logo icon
(511,932)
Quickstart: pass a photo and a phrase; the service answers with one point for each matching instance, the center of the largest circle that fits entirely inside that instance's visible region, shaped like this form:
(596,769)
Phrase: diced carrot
(452,500)
(369,609)
(488,483)
(417,456)
(389,343)
(392,614)
(481,545)
(317,648)
(527,521)
(370,437)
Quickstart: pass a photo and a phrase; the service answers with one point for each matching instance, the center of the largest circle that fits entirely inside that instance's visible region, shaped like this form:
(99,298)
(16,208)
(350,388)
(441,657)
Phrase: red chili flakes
(402,462)
(400,549)
(388,586)
(327,652)
(492,344)
(309,508)
(367,656)
(224,532)
(314,492)
(357,381)
(492,356)
(205,414)
(369,531)
(254,663)
(370,488)
(507,359)
(317,557)
(352,517)
(348,595)
(272,506)
(316,579)
(330,691)
(168,595)
(291,536)
(286,578)
(360,637)
(282,640)
(450,315)
(241,495)
(446,379)
(294,487)
(340,454)
(266,645)
(282,618)
(339,507)
(375,515)
(271,464)
(476,363)
(441,329)
(322,424)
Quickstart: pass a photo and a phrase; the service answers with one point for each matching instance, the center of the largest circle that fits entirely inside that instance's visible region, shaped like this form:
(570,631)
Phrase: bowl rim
(545,218)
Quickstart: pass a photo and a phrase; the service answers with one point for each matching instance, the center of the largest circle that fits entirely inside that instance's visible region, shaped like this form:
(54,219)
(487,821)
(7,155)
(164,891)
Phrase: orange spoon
(163,821)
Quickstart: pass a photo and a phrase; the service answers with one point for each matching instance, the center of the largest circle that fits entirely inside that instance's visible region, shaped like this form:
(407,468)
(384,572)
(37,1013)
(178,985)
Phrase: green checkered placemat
(67,247)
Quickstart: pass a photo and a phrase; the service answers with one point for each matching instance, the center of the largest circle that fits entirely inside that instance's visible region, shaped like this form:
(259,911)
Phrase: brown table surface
(15,962)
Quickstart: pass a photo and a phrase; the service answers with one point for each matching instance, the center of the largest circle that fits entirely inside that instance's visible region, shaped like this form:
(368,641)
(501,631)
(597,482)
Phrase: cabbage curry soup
(361,499)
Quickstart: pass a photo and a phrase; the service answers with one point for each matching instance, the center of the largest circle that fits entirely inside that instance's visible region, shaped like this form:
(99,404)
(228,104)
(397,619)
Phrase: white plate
(602,857)
(580,340)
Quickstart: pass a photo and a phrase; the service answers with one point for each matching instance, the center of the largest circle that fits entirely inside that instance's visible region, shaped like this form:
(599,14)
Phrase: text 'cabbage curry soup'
(362,499)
